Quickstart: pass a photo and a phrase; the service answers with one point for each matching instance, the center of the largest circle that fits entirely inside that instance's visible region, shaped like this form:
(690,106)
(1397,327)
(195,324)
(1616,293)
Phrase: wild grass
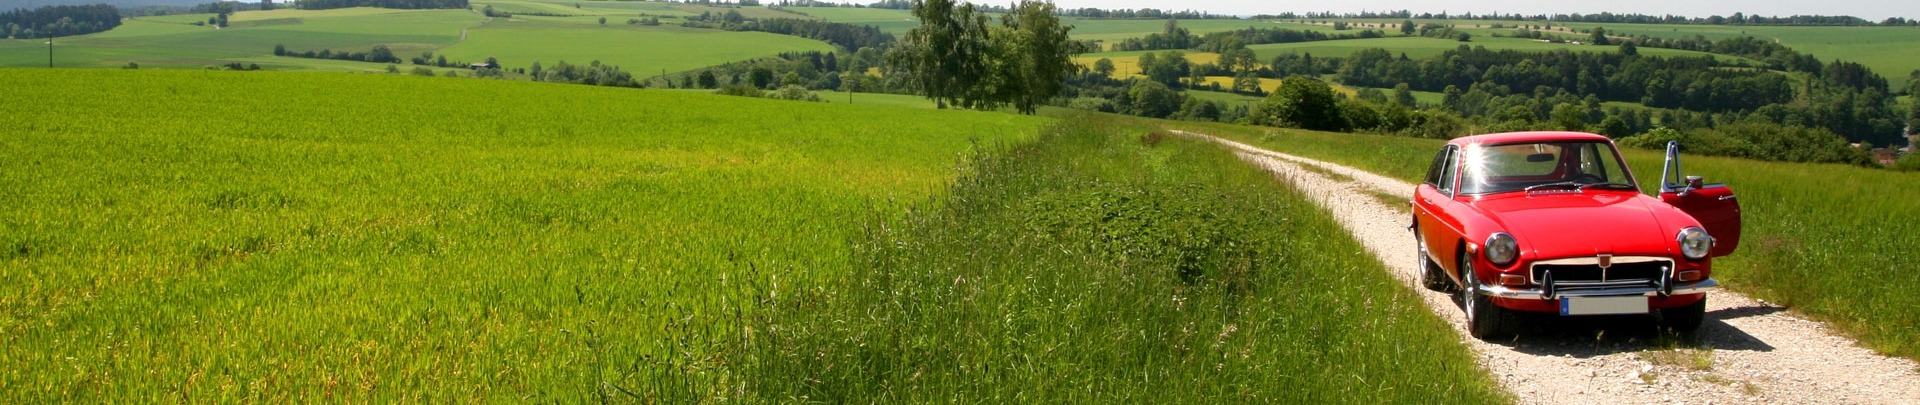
(1107,262)
(1834,242)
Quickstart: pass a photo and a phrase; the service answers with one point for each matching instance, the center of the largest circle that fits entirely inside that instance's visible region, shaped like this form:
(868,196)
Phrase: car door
(1430,202)
(1714,205)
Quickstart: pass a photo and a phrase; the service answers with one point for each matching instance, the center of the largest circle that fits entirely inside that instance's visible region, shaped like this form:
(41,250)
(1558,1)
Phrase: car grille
(1645,271)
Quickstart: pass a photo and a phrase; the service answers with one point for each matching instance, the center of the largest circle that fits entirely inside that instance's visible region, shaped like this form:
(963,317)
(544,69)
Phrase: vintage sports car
(1553,222)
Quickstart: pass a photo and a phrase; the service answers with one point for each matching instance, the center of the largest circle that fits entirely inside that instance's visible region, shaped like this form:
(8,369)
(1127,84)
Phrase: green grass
(895,22)
(1422,47)
(1834,242)
(164,42)
(643,51)
(232,236)
(1108,263)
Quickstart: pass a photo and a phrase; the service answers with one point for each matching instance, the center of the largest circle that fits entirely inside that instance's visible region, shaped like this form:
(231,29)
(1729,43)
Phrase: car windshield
(1543,166)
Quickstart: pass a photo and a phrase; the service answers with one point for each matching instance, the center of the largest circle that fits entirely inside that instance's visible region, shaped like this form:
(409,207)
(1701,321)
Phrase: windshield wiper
(1611,186)
(1558,184)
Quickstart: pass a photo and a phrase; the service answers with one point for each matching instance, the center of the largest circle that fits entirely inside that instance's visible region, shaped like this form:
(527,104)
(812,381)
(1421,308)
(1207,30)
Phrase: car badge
(1606,261)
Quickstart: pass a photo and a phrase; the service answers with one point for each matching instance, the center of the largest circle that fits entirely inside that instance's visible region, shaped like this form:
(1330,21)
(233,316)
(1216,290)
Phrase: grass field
(273,236)
(268,236)
(895,22)
(1826,240)
(462,35)
(643,51)
(169,41)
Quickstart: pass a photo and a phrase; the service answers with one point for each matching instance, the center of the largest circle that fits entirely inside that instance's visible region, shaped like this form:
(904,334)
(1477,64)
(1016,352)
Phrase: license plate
(1603,305)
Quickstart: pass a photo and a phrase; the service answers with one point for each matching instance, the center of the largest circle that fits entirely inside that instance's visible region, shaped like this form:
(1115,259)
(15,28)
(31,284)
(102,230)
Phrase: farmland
(271,236)
(1797,248)
(1422,47)
(644,51)
(282,235)
(461,35)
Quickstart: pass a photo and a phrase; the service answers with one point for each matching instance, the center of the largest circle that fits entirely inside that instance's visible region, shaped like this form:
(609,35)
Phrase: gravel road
(1747,351)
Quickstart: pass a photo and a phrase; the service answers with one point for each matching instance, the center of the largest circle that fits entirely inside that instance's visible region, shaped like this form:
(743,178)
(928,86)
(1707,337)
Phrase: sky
(1870,10)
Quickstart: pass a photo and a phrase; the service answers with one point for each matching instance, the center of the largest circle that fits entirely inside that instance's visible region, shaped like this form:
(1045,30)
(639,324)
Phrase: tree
(1040,54)
(1403,95)
(603,21)
(1570,117)
(707,80)
(944,57)
(1301,102)
(760,77)
(1104,67)
(1627,48)
(1406,28)
(382,54)
(1152,99)
(1599,36)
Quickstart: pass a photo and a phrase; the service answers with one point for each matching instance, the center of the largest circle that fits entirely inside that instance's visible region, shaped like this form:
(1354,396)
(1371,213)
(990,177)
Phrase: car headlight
(1694,242)
(1501,249)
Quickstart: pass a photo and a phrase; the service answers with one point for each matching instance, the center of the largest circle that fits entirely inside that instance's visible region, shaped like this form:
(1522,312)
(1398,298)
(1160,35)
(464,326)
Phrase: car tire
(1684,320)
(1431,275)
(1485,321)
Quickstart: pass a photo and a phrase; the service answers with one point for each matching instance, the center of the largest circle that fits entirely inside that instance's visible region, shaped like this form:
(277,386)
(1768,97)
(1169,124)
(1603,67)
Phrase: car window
(1510,167)
(1433,169)
(1448,165)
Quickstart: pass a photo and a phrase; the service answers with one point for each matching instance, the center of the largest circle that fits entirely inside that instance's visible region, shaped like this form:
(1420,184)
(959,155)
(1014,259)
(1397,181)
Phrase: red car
(1553,222)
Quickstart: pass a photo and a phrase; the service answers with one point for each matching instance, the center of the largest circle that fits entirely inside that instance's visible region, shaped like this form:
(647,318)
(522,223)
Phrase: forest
(55,21)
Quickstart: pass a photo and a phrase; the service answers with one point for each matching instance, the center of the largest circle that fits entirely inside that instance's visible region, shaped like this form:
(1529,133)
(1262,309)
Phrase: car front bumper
(1545,293)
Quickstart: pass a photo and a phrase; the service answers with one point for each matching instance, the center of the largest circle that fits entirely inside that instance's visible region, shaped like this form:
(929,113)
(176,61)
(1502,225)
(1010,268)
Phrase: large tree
(1304,103)
(955,57)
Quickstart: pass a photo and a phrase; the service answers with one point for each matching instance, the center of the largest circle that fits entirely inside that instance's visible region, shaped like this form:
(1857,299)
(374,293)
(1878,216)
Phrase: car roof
(1524,137)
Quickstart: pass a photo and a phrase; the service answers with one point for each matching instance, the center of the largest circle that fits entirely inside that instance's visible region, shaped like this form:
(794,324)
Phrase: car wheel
(1430,273)
(1485,321)
(1684,320)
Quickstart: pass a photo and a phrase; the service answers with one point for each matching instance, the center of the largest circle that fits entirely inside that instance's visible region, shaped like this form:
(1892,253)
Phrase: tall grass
(1835,242)
(265,236)
(1107,263)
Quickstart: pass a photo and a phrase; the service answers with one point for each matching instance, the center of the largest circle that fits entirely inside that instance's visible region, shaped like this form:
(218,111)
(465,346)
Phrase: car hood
(1581,224)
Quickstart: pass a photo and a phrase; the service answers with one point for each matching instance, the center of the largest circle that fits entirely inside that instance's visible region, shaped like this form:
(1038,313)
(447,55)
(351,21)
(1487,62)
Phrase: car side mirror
(1695,182)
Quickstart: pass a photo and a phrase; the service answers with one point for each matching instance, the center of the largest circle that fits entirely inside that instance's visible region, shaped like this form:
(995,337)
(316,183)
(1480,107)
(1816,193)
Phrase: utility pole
(50,50)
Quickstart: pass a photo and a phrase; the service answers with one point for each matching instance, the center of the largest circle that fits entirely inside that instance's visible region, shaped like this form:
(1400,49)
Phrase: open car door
(1714,205)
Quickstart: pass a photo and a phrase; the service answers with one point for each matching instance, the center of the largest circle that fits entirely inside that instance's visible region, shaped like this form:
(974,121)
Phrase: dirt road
(1747,351)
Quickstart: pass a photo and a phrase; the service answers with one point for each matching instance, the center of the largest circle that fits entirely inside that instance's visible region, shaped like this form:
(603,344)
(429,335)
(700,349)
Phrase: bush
(795,92)
(740,90)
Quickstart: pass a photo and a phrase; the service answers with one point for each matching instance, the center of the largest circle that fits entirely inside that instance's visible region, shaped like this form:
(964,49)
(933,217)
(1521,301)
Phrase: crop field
(168,41)
(171,41)
(1818,238)
(895,22)
(1113,30)
(1886,50)
(274,236)
(643,51)
(1422,47)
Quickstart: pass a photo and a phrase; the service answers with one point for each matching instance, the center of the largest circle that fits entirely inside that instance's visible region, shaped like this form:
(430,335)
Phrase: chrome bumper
(1696,287)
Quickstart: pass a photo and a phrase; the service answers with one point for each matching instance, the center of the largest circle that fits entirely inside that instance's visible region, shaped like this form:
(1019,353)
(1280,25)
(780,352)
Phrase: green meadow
(895,22)
(641,50)
(173,42)
(170,41)
(1847,266)
(218,236)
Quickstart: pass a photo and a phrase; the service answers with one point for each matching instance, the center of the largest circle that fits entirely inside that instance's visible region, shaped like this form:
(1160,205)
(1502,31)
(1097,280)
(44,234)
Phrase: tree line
(48,21)
(1739,18)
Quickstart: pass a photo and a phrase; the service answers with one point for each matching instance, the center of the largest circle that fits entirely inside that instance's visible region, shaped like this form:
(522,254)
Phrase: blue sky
(1871,10)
